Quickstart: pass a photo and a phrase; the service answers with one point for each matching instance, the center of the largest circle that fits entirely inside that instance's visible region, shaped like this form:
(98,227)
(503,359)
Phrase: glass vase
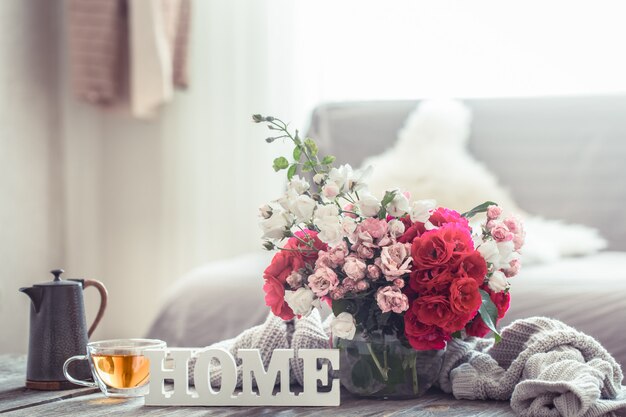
(383,367)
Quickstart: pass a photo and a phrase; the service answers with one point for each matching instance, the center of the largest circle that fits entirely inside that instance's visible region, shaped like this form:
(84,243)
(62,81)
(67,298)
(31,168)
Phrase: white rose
(368,204)
(489,251)
(265,211)
(287,200)
(331,231)
(318,178)
(497,282)
(326,211)
(276,226)
(360,178)
(421,210)
(343,326)
(303,208)
(300,300)
(330,190)
(341,177)
(396,228)
(399,206)
(507,254)
(299,185)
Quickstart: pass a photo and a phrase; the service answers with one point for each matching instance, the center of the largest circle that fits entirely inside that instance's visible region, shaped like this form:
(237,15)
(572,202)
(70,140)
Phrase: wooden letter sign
(253,370)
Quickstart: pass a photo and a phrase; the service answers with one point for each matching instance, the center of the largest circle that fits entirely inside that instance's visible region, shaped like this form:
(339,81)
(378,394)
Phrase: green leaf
(280,163)
(457,334)
(311,146)
(388,198)
(297,153)
(328,159)
(478,209)
(308,166)
(292,171)
(362,373)
(489,313)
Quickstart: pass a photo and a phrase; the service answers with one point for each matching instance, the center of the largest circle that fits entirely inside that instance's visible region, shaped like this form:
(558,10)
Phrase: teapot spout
(35,295)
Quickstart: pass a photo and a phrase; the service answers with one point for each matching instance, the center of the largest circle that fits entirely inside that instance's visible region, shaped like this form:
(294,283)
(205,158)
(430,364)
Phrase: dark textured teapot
(58,330)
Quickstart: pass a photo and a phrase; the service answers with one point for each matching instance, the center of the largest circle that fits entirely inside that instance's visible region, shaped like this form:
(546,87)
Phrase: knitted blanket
(544,367)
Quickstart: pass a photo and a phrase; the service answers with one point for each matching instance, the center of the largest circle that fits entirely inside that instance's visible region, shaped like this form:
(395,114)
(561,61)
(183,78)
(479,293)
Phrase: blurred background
(137,196)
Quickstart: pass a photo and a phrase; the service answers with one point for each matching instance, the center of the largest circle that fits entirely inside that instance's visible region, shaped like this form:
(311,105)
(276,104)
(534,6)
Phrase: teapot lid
(57,281)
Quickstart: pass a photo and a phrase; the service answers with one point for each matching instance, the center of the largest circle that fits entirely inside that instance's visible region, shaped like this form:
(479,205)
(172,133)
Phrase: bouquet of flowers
(385,265)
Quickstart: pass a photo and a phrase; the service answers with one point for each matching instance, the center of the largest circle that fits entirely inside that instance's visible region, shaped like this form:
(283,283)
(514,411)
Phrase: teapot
(58,330)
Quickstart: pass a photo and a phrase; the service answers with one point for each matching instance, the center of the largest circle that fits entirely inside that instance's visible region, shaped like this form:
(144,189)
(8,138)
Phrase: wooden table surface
(15,400)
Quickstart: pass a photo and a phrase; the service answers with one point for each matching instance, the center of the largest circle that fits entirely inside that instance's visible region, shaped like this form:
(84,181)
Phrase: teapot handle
(103,302)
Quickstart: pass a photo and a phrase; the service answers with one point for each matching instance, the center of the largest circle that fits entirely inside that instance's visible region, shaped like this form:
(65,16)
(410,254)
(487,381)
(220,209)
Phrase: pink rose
(362,285)
(376,228)
(365,252)
(323,260)
(295,280)
(398,282)
(513,268)
(512,224)
(349,284)
(501,233)
(395,260)
(518,242)
(493,212)
(373,272)
(338,253)
(391,299)
(349,207)
(323,281)
(354,268)
(338,293)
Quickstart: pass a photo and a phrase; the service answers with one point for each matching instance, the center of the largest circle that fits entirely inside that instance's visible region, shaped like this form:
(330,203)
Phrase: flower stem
(383,371)
(414,373)
(302,146)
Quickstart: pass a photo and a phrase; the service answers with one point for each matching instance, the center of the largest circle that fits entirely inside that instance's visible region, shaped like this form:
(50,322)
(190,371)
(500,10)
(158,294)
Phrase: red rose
(443,216)
(411,231)
(433,310)
(464,297)
(308,253)
(449,243)
(474,266)
(434,280)
(282,265)
(502,300)
(431,250)
(421,336)
(275,298)
(477,326)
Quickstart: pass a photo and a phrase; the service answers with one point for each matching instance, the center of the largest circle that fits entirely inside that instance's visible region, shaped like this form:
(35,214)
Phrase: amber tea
(119,367)
(122,371)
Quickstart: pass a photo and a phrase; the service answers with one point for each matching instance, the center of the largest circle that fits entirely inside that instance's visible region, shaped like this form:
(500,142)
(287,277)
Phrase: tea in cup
(119,367)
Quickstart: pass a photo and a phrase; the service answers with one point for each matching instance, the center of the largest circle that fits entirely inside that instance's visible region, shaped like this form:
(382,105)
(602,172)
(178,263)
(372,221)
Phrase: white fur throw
(430,160)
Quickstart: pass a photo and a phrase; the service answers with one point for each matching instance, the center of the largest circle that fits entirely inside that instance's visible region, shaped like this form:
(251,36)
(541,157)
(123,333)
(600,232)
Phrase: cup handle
(71,378)
(103,301)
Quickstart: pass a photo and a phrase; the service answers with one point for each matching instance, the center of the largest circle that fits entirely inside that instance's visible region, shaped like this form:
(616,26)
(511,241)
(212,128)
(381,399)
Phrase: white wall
(31,193)
(133,203)
(147,201)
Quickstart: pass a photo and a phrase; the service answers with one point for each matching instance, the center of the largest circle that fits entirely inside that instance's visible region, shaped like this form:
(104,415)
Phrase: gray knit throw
(544,367)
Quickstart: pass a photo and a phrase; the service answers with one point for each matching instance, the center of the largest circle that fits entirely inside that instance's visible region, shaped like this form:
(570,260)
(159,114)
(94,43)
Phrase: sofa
(569,163)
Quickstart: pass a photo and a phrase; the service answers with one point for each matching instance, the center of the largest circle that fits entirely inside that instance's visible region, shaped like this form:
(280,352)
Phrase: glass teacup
(119,367)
